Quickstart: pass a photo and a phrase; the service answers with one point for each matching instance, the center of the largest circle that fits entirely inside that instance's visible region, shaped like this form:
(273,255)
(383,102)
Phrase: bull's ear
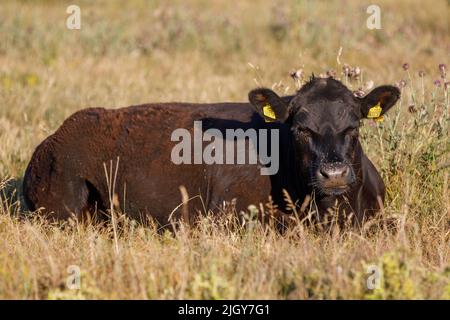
(269,105)
(379,101)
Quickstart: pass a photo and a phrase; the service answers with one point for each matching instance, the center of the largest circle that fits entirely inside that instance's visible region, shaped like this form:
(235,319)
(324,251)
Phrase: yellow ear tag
(375,111)
(379,119)
(269,113)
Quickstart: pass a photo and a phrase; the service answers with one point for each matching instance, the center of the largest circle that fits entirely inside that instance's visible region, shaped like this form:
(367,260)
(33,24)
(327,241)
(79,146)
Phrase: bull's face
(324,118)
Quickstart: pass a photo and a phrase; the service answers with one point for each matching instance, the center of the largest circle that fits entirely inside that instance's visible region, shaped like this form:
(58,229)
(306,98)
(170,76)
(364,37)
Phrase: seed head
(331,73)
(297,74)
(359,93)
(443,69)
(401,84)
(346,70)
(412,109)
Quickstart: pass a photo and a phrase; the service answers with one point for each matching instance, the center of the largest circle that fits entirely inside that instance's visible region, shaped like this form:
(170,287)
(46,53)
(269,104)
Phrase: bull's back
(74,164)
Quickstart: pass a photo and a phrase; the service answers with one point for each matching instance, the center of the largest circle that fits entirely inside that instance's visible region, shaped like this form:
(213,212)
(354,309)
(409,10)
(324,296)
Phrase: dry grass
(135,52)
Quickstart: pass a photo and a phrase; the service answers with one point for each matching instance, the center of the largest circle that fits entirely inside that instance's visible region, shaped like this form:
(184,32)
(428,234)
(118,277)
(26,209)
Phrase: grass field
(132,52)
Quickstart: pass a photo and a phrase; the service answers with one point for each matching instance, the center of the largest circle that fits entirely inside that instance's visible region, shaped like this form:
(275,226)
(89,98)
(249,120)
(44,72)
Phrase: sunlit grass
(136,52)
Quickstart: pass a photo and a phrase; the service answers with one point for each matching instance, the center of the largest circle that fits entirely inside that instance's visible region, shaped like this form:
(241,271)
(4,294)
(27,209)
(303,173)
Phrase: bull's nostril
(334,176)
(324,173)
(334,172)
(345,172)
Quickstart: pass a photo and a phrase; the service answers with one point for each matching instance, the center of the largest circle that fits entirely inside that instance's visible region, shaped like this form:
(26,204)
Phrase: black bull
(319,155)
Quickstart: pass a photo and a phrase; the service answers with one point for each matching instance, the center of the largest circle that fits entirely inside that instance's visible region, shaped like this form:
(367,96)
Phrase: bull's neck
(290,177)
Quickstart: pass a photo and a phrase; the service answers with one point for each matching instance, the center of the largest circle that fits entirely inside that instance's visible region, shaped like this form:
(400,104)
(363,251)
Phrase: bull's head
(324,118)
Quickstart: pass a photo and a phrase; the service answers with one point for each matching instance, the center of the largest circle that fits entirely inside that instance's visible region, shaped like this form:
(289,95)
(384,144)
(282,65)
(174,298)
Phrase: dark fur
(323,120)
(66,176)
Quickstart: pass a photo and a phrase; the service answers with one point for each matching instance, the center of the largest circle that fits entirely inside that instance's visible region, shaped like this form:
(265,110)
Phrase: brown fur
(66,174)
